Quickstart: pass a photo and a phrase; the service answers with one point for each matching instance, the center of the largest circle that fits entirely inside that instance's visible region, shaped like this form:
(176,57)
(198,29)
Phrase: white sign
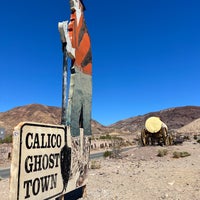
(36,161)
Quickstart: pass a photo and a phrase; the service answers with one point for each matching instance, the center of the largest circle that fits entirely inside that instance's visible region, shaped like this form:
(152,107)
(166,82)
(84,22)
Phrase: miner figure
(77,45)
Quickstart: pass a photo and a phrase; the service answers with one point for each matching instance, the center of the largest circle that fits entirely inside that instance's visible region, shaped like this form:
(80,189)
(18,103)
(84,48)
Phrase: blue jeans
(79,103)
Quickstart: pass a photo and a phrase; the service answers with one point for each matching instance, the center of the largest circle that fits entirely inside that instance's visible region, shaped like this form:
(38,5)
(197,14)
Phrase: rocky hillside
(37,113)
(175,118)
(193,127)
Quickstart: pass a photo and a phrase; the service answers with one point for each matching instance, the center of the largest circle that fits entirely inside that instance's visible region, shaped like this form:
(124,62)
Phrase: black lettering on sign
(29,137)
(37,163)
(36,144)
(38,185)
(41,162)
(42,140)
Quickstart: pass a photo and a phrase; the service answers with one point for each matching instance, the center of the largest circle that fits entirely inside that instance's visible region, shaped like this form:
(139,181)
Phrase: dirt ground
(142,175)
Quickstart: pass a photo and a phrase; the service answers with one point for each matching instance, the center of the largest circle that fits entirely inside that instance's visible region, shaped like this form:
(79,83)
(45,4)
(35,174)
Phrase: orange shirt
(81,42)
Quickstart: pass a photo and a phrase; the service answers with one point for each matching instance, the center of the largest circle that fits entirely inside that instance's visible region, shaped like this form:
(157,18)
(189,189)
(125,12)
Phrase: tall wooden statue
(76,117)
(76,43)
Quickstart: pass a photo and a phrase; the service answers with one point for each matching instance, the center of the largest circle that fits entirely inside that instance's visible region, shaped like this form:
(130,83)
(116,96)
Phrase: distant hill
(192,127)
(175,118)
(37,113)
(32,112)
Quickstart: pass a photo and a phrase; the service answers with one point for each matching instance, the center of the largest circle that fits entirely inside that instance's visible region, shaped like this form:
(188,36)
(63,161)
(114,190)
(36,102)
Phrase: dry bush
(107,154)
(162,152)
(95,164)
(177,154)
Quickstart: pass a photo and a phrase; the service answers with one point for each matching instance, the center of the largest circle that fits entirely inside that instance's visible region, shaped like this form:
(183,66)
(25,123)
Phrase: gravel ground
(141,175)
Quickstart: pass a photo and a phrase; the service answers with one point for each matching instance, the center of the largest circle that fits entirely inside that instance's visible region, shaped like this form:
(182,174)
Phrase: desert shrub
(177,154)
(7,139)
(116,148)
(198,141)
(107,154)
(185,154)
(195,137)
(162,152)
(186,137)
(105,137)
(92,138)
(95,164)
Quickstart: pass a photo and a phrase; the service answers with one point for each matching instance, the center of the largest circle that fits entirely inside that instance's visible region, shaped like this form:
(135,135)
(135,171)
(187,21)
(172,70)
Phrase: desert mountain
(37,113)
(175,118)
(193,127)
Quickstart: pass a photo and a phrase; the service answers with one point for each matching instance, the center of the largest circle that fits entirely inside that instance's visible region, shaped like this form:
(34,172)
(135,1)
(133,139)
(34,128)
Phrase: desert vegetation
(7,139)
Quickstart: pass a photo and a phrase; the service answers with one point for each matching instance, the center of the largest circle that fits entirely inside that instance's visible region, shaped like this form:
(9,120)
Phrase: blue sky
(146,55)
